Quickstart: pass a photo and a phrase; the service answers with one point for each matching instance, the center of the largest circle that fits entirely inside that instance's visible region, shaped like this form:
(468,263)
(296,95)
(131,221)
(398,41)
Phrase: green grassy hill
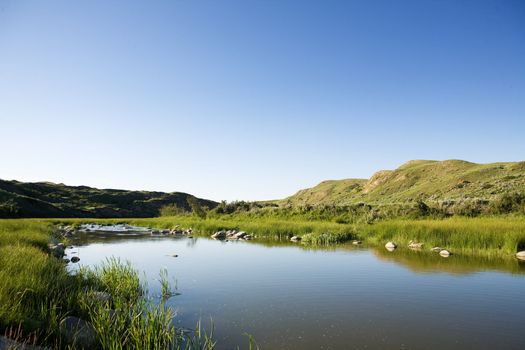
(426,180)
(45,199)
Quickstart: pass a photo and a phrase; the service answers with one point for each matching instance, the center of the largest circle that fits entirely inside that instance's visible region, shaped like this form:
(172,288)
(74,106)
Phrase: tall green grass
(36,293)
(497,236)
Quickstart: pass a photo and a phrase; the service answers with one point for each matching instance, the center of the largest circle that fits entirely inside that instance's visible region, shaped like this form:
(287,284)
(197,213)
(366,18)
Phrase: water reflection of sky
(293,298)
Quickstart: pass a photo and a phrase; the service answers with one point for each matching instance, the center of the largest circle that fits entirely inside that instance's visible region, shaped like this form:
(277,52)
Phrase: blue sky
(255,99)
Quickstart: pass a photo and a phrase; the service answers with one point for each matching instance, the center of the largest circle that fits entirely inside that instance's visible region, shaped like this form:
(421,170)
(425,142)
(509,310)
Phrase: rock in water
(219,235)
(240,234)
(445,253)
(390,245)
(75,259)
(78,332)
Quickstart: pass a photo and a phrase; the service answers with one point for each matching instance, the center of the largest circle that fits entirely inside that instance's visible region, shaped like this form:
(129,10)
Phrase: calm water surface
(290,297)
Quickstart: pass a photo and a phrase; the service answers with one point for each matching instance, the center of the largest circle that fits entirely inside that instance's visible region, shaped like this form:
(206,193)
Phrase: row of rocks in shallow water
(174,231)
(231,234)
(391,246)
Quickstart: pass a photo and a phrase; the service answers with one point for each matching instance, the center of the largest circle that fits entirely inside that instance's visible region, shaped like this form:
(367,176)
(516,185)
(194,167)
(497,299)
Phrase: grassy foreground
(37,293)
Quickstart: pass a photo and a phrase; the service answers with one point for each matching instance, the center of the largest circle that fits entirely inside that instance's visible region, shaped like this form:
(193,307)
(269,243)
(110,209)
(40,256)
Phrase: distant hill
(426,180)
(46,199)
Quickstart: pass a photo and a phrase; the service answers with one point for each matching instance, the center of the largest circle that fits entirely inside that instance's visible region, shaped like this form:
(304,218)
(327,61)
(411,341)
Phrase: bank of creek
(349,296)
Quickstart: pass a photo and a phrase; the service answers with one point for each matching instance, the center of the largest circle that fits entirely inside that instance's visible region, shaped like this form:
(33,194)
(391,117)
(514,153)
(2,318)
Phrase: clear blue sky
(255,99)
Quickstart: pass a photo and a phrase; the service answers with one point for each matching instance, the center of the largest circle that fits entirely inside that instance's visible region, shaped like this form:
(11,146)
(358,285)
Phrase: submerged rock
(78,332)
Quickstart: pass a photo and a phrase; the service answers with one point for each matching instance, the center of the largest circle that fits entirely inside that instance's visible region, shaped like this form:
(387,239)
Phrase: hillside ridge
(416,180)
(47,199)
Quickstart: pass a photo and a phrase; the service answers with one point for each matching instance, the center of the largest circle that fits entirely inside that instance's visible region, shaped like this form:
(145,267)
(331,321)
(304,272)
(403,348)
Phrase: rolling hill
(415,180)
(46,199)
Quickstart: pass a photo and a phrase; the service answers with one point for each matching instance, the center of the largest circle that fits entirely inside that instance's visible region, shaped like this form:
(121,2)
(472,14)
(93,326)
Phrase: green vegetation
(47,200)
(446,185)
(416,189)
(36,293)
(495,236)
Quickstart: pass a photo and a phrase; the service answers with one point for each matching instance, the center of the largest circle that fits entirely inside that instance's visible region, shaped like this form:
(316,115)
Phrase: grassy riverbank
(37,293)
(490,236)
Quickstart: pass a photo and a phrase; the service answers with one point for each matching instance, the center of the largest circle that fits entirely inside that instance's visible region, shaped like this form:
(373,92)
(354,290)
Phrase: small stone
(78,332)
(391,245)
(445,253)
(240,234)
(219,235)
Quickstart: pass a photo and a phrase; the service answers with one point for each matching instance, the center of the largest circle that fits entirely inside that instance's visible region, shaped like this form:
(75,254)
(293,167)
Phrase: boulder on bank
(58,250)
(219,235)
(240,234)
(78,333)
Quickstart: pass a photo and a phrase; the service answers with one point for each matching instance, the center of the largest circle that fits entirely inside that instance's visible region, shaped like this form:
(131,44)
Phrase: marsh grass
(497,236)
(36,293)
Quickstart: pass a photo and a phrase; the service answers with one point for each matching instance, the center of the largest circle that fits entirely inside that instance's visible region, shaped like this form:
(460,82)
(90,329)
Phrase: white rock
(240,234)
(390,245)
(445,253)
